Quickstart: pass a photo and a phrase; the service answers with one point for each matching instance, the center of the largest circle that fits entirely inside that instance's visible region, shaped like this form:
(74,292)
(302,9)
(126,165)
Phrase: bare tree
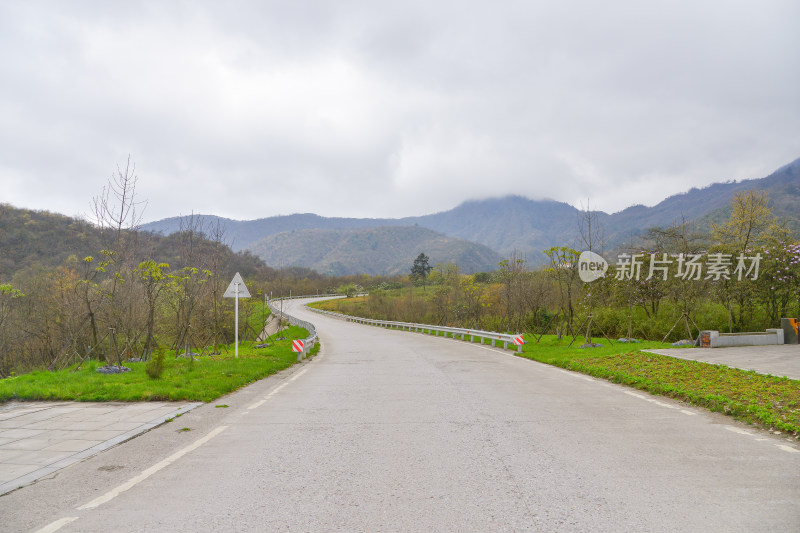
(217,234)
(592,233)
(118,214)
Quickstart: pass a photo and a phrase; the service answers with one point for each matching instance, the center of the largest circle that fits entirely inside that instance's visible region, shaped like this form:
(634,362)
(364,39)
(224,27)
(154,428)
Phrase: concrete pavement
(387,430)
(39,438)
(782,360)
(392,431)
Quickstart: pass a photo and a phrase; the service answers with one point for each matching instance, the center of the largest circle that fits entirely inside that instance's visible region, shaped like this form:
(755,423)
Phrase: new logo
(591,266)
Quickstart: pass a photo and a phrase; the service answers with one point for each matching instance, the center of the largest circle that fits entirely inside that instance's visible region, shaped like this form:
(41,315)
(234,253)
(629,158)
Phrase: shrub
(155,366)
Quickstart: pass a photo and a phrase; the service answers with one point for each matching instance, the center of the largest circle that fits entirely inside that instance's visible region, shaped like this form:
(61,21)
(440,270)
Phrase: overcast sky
(387,109)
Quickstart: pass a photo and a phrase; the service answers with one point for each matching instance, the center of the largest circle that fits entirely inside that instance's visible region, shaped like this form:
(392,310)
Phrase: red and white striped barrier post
(519,341)
(299,347)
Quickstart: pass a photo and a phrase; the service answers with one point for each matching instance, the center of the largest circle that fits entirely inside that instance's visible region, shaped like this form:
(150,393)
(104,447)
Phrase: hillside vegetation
(31,239)
(70,290)
(373,251)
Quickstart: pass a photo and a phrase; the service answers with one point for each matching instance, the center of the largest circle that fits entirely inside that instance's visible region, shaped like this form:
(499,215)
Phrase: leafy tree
(7,294)
(564,270)
(751,224)
(349,289)
(420,269)
(154,279)
(512,277)
(779,279)
(750,227)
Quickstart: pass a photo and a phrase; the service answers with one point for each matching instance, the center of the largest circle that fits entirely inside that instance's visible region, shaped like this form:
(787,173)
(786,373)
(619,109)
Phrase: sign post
(237,289)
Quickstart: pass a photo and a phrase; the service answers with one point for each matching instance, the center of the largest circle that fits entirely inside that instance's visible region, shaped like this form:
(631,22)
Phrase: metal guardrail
(492,336)
(308,343)
(312,338)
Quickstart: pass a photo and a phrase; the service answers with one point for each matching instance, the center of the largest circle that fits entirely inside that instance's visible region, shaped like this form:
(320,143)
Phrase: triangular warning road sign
(231,291)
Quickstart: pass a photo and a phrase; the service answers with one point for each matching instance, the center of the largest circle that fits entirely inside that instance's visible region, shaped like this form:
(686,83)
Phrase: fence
(312,338)
(492,336)
(505,338)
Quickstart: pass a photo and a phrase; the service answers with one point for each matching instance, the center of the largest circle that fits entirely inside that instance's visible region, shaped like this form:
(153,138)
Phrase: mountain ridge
(517,224)
(384,250)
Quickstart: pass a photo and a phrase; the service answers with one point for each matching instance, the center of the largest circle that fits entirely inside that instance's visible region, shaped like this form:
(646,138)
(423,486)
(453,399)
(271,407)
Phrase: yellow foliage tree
(751,224)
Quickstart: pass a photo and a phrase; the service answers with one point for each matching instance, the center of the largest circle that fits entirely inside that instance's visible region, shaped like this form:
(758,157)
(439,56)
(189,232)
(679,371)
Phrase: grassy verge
(204,379)
(768,401)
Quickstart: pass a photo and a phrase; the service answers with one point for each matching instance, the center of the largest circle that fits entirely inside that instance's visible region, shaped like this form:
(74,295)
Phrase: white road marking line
(276,389)
(576,375)
(110,495)
(298,374)
(58,524)
(257,404)
(761,439)
(629,393)
(501,352)
(737,430)
(787,448)
(268,396)
(661,404)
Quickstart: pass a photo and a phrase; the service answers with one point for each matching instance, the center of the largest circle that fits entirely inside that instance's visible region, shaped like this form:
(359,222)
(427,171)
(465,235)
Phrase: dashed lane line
(275,391)
(739,431)
(755,436)
(113,493)
(58,524)
(783,447)
(272,393)
(110,495)
(788,448)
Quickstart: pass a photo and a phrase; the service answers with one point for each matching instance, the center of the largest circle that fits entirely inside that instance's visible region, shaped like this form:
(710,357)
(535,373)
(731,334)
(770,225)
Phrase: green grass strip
(204,379)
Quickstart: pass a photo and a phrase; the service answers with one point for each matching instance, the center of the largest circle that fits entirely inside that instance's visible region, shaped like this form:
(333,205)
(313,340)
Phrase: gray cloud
(251,109)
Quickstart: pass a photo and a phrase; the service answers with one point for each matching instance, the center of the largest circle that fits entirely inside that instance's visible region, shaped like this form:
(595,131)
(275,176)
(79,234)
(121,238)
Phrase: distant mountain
(508,224)
(382,250)
(241,234)
(711,203)
(517,224)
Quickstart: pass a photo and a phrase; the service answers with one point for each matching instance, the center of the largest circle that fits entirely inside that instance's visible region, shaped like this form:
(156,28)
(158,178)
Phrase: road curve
(396,431)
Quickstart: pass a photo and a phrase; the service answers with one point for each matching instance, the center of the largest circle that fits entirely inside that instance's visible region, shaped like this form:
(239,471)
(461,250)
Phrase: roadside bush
(155,366)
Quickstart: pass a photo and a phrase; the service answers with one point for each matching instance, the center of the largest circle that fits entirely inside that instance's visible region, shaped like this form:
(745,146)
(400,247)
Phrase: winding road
(397,431)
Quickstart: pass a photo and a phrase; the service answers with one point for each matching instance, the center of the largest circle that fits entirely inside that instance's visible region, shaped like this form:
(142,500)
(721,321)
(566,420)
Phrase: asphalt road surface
(397,431)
